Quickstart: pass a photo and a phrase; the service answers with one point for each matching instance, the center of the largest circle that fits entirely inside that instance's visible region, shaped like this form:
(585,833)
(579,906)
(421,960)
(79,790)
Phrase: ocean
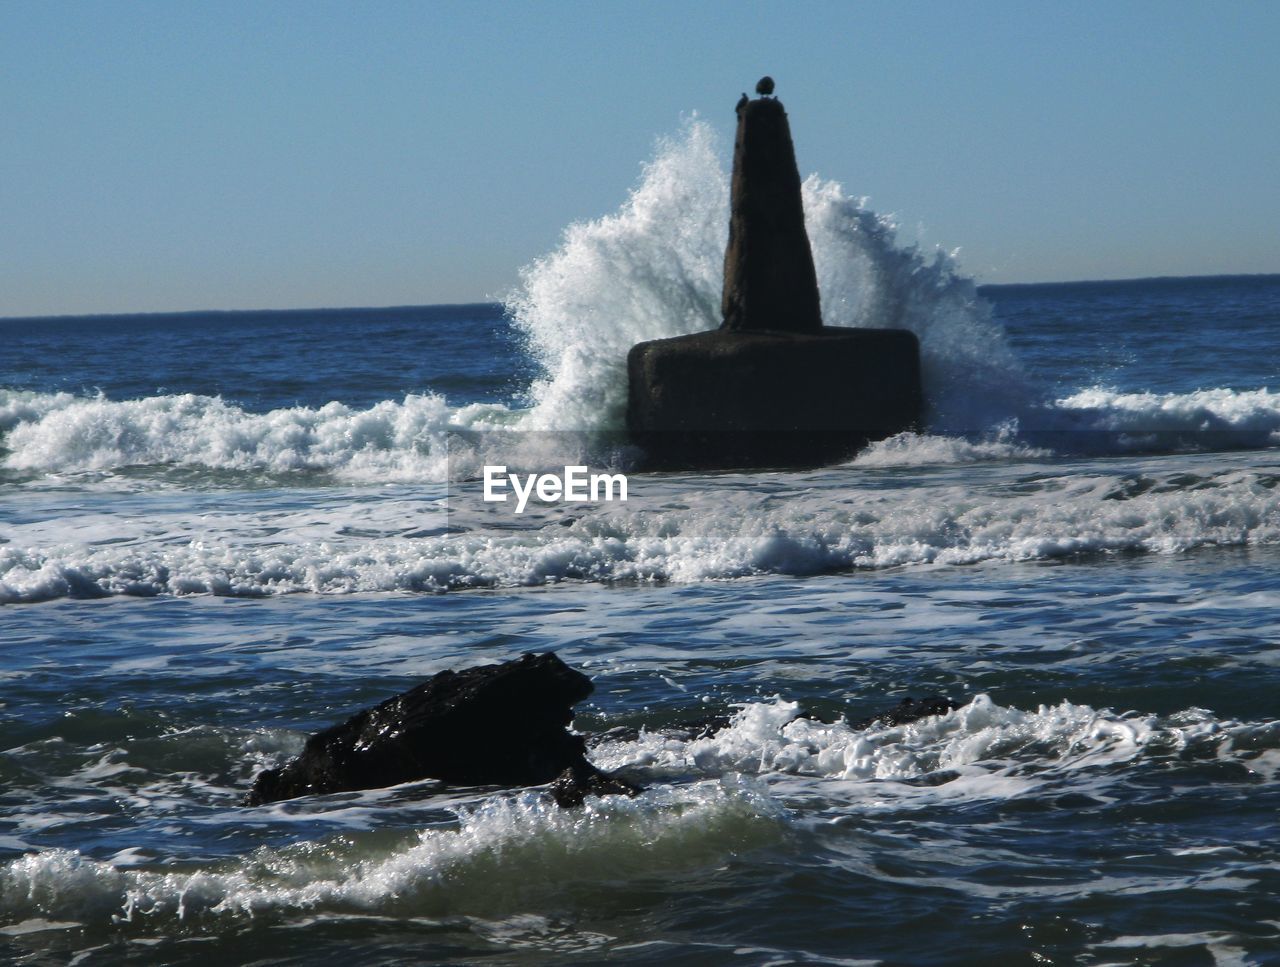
(222,532)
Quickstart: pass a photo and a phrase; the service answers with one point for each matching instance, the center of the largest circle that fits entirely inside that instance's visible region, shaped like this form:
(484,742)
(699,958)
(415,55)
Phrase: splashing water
(651,270)
(655,269)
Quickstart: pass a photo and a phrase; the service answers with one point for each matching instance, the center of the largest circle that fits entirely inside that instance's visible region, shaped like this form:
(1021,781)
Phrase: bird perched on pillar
(765,86)
(742,102)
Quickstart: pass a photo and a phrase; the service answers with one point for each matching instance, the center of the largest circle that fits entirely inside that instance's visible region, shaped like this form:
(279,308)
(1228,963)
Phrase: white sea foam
(915,449)
(768,738)
(1236,417)
(653,269)
(504,853)
(693,534)
(391,440)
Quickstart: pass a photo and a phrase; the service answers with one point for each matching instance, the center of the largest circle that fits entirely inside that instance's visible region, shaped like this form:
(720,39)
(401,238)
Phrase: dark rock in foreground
(725,399)
(576,783)
(500,724)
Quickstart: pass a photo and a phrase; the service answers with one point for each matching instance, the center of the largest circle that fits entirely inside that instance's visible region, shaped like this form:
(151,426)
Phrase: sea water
(221,532)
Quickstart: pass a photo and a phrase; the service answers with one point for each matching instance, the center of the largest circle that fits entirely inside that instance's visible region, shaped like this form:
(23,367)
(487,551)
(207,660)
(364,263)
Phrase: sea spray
(651,270)
(972,380)
(654,270)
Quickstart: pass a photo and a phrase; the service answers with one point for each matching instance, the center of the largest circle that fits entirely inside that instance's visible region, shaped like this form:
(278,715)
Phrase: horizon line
(491,303)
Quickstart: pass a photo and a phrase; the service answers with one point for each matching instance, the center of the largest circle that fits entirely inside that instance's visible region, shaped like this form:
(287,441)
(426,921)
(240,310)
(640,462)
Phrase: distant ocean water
(220,532)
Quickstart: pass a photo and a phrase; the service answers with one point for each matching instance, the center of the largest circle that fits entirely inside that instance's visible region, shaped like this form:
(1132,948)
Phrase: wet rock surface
(571,788)
(504,724)
(492,725)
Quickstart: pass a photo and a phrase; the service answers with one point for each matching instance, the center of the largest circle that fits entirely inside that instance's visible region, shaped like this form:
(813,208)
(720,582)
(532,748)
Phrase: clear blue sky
(182,155)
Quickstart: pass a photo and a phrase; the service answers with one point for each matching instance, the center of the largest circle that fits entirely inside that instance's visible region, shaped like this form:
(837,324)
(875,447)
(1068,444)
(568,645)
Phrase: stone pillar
(769,280)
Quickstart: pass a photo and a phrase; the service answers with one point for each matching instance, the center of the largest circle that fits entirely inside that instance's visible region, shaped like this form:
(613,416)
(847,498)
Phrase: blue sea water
(220,532)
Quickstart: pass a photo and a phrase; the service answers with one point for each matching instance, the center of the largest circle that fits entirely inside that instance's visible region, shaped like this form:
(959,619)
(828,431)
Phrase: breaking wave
(655,268)
(692,534)
(708,798)
(652,269)
(502,852)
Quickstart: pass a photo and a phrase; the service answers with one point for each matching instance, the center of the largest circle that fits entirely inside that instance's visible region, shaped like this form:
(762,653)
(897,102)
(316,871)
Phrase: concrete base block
(724,399)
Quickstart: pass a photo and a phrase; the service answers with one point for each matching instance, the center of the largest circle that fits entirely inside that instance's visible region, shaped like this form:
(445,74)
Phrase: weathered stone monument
(772,386)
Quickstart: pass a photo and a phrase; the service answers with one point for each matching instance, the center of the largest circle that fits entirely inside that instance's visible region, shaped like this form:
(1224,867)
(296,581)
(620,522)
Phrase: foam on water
(405,440)
(769,737)
(502,854)
(707,798)
(1242,418)
(915,450)
(651,270)
(696,533)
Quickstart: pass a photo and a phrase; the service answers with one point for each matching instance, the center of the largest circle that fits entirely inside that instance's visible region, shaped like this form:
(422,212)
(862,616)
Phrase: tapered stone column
(769,281)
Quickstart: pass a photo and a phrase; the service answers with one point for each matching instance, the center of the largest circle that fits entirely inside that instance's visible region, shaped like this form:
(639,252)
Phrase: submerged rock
(909,710)
(576,783)
(504,724)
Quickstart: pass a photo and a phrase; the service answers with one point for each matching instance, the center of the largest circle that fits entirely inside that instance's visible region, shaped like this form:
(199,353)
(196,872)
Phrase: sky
(167,156)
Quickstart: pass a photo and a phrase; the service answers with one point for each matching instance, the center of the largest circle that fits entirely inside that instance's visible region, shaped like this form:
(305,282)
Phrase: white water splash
(697,531)
(504,854)
(651,270)
(769,739)
(655,270)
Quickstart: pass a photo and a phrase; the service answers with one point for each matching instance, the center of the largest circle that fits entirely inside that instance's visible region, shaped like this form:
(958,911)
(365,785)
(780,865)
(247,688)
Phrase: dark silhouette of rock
(907,711)
(772,387)
(764,86)
(576,783)
(502,724)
